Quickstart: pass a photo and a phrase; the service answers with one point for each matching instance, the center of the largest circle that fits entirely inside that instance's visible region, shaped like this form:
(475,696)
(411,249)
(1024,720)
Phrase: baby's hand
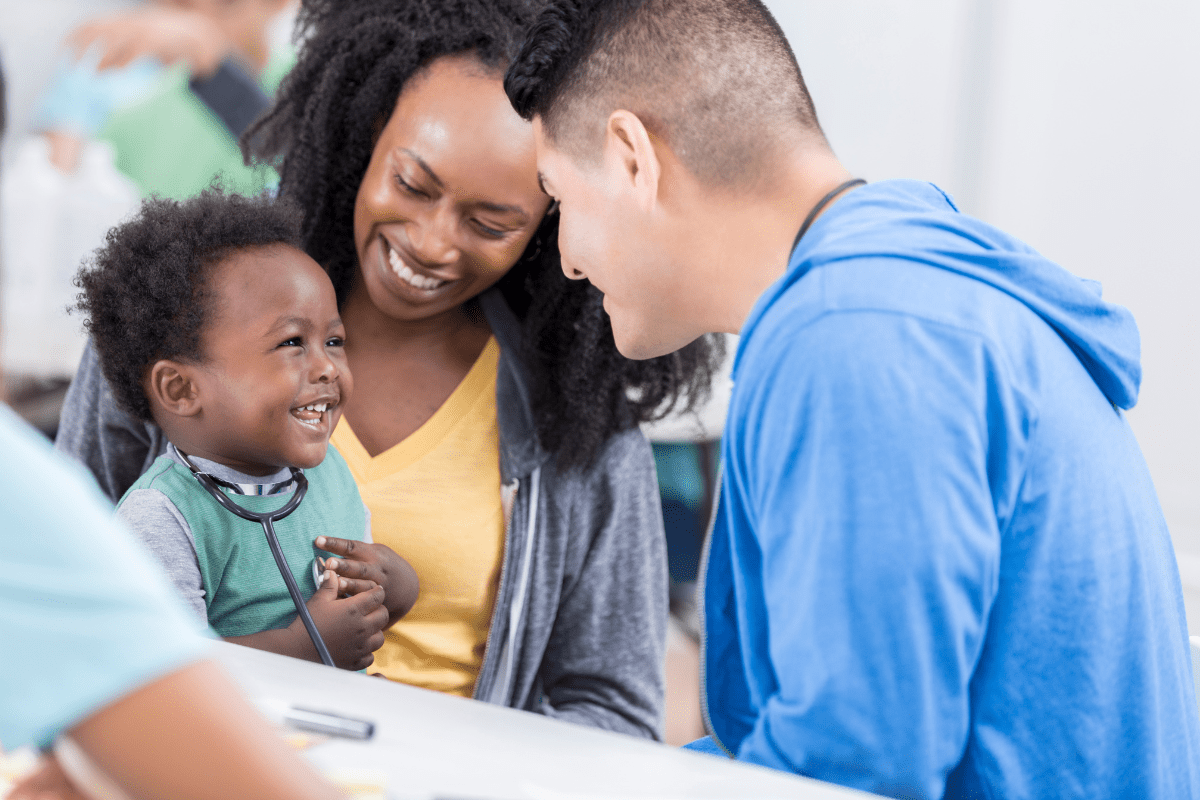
(352,627)
(374,562)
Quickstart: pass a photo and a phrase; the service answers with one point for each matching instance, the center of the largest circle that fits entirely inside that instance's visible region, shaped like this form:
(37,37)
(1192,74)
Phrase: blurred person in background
(150,100)
(171,87)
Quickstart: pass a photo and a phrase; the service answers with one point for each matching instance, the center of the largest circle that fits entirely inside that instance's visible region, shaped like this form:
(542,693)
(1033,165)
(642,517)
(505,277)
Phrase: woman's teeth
(408,276)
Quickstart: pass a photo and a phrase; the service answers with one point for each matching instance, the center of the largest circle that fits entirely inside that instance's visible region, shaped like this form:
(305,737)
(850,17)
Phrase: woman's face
(451,196)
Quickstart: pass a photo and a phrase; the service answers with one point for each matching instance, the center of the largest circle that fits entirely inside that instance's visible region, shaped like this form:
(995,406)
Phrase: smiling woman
(493,428)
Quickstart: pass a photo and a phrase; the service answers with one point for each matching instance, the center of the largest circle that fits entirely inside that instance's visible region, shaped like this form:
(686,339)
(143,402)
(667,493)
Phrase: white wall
(31,33)
(1075,126)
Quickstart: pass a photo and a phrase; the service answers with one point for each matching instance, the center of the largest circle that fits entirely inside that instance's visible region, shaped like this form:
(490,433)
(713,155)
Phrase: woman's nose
(433,239)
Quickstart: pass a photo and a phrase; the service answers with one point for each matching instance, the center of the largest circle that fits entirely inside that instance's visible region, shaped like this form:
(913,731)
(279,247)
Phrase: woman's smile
(414,276)
(450,197)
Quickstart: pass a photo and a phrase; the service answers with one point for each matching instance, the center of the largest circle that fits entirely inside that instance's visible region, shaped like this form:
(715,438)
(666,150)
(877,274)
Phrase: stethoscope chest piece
(268,519)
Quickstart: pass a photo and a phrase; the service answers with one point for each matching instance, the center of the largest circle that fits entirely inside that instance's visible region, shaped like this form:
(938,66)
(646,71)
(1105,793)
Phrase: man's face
(637,256)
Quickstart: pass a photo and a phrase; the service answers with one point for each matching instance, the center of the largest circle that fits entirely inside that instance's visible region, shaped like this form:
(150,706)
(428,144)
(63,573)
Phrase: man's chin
(643,344)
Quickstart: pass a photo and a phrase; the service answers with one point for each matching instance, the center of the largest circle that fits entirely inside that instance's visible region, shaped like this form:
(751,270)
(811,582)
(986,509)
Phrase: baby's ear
(172,388)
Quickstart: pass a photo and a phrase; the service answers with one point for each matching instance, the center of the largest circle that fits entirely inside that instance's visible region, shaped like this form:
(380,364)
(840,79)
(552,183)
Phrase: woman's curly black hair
(355,58)
(145,293)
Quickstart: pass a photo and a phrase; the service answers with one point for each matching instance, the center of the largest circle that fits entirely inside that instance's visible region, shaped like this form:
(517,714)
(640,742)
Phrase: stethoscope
(268,520)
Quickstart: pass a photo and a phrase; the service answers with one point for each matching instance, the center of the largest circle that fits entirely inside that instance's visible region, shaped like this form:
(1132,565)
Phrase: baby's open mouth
(313,414)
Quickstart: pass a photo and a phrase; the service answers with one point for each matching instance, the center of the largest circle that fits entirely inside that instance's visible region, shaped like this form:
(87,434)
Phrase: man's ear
(172,387)
(629,149)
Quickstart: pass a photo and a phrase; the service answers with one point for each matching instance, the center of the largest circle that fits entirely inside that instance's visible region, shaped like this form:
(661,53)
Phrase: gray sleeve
(156,521)
(603,665)
(93,430)
(233,95)
(367,533)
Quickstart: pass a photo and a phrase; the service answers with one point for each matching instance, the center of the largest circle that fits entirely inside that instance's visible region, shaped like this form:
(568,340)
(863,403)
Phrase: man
(939,568)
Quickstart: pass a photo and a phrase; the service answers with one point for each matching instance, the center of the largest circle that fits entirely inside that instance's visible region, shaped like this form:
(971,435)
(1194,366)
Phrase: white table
(431,745)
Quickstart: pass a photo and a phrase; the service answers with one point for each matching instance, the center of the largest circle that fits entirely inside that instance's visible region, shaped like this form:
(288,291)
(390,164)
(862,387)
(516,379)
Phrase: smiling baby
(209,319)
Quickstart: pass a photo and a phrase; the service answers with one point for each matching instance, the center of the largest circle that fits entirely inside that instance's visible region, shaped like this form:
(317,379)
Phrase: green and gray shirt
(221,563)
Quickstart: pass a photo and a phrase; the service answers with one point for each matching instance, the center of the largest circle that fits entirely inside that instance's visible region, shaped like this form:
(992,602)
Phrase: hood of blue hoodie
(917,221)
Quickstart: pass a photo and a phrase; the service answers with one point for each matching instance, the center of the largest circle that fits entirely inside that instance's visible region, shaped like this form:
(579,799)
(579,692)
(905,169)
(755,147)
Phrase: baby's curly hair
(145,293)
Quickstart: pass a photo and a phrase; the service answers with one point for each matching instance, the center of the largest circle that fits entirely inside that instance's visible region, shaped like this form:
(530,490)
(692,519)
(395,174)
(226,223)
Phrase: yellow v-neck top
(435,499)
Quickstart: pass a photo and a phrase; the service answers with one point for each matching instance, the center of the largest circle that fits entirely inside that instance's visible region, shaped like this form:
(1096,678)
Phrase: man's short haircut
(716,79)
(146,292)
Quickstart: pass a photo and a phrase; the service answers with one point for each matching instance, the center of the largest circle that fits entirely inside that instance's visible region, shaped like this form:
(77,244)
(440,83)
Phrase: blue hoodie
(939,567)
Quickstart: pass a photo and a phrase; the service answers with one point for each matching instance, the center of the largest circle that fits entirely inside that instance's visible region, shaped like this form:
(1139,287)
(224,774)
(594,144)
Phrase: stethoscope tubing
(268,520)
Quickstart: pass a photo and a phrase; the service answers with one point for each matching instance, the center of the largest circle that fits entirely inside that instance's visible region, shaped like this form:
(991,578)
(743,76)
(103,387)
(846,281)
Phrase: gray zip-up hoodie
(579,626)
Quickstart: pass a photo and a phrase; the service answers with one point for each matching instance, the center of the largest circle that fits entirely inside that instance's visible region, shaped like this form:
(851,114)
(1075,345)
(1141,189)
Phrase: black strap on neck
(820,206)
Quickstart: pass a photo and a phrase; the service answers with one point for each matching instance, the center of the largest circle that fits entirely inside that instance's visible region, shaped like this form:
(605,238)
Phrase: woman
(493,430)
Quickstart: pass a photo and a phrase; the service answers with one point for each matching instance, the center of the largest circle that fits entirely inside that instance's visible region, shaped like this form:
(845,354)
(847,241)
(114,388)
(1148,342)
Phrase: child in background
(208,319)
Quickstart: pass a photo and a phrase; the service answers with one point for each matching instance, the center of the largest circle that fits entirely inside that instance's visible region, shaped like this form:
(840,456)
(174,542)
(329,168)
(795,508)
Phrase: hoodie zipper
(501,687)
(489,647)
(700,591)
(522,589)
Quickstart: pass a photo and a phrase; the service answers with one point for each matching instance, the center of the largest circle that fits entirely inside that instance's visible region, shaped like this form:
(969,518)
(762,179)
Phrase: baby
(208,319)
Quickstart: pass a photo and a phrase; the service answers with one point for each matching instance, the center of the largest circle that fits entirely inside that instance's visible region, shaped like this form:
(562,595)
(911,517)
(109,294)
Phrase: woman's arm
(93,430)
(603,664)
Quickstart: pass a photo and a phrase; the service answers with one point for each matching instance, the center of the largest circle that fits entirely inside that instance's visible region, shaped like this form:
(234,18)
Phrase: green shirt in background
(170,144)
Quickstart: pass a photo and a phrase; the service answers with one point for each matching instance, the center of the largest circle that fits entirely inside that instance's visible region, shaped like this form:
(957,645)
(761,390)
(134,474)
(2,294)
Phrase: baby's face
(274,378)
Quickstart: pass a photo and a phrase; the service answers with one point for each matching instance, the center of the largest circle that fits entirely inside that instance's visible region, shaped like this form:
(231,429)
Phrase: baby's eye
(295,341)
(335,341)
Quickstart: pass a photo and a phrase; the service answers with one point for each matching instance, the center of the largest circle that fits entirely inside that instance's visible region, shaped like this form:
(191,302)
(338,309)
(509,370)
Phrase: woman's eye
(408,187)
(487,230)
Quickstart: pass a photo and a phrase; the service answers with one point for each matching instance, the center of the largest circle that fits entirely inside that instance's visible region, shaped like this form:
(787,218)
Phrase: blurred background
(1074,126)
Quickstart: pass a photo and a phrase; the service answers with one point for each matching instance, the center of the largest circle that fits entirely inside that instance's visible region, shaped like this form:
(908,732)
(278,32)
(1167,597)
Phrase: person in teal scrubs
(98,646)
